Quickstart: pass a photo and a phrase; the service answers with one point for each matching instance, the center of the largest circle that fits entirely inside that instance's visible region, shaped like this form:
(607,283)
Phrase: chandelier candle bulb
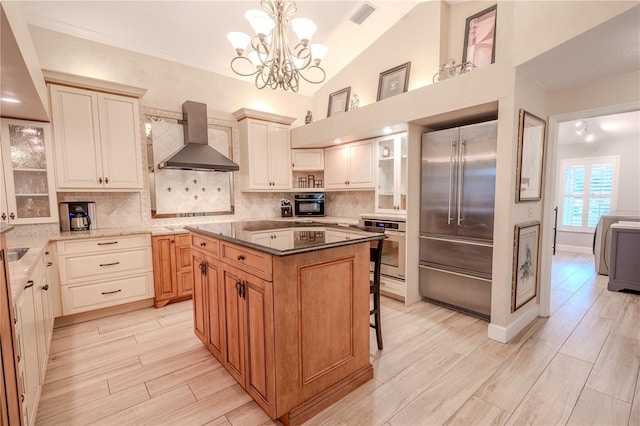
(277,63)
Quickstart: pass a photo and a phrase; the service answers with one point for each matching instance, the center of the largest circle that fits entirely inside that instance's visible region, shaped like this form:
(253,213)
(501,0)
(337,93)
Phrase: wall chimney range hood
(196,154)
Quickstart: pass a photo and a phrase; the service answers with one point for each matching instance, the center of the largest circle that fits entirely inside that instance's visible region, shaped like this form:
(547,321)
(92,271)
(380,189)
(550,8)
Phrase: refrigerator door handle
(460,180)
(451,165)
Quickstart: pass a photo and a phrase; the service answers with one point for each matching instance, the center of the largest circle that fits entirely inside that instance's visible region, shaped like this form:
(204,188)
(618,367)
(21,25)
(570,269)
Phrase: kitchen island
(284,307)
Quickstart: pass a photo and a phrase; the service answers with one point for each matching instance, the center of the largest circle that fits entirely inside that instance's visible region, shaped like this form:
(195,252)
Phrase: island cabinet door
(207,304)
(260,377)
(200,311)
(235,314)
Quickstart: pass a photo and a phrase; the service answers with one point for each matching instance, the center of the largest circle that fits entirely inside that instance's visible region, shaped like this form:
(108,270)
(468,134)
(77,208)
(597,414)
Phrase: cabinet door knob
(99,180)
(45,287)
(4,216)
(106,180)
(12,216)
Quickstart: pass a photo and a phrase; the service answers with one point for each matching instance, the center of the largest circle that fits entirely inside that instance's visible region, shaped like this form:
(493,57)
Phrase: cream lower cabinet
(101,272)
(97,139)
(34,327)
(349,166)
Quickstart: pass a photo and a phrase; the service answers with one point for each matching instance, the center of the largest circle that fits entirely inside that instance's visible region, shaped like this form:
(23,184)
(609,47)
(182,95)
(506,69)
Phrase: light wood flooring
(579,367)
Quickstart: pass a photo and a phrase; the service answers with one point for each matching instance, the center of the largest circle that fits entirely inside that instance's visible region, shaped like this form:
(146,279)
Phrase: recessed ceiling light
(337,141)
(610,126)
(590,138)
(579,123)
(11,100)
(387,130)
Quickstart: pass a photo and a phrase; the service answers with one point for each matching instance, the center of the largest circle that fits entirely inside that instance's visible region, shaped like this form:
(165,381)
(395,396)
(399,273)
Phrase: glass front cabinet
(28,190)
(391,188)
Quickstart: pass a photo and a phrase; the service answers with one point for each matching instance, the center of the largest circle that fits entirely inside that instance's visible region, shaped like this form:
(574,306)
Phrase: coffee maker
(77,215)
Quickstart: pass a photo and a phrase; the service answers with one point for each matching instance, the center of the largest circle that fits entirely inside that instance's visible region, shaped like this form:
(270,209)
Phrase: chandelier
(272,59)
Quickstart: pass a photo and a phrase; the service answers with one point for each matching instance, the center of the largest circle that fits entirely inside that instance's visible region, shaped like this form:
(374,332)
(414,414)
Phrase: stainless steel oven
(308,204)
(393,248)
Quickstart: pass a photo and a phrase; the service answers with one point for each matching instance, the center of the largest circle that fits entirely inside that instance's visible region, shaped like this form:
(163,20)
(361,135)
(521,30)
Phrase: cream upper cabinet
(265,151)
(27,183)
(97,140)
(391,174)
(307,159)
(349,166)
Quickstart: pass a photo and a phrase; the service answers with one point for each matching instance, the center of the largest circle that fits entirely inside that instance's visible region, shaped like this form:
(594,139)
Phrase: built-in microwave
(308,204)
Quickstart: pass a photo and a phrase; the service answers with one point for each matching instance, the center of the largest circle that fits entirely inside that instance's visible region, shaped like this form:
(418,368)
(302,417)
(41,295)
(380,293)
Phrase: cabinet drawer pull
(45,287)
(49,263)
(110,264)
(240,257)
(111,292)
(106,180)
(99,180)
(21,397)
(109,243)
(29,284)
(203,244)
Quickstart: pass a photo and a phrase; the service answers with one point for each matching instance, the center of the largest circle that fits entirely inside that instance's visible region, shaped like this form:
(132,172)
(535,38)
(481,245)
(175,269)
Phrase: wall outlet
(530,211)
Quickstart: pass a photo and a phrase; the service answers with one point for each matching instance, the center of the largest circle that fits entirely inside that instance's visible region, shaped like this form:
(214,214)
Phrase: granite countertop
(292,237)
(21,270)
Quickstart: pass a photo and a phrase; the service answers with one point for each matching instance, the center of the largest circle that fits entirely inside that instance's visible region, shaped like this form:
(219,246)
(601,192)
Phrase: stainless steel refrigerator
(456,218)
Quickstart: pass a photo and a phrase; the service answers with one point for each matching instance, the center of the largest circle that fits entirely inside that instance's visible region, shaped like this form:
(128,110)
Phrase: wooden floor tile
(615,370)
(560,325)
(99,408)
(52,404)
(587,339)
(248,414)
(595,408)
(443,399)
(141,413)
(508,386)
(552,398)
(478,412)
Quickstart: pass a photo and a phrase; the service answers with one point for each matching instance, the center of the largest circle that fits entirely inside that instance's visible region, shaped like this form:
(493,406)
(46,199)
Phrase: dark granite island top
(286,238)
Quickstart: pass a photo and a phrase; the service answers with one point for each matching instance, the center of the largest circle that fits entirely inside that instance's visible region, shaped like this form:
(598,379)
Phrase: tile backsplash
(113,209)
(350,203)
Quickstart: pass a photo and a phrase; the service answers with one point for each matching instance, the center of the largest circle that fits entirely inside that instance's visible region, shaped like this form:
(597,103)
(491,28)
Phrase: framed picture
(339,101)
(524,283)
(394,81)
(480,38)
(531,144)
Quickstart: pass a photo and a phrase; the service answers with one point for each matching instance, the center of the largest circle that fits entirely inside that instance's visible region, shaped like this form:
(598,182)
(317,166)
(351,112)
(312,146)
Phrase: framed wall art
(393,81)
(530,167)
(339,101)
(480,38)
(524,285)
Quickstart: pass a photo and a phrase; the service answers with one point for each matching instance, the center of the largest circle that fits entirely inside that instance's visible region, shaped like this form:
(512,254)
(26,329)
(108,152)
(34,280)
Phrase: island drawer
(206,245)
(252,261)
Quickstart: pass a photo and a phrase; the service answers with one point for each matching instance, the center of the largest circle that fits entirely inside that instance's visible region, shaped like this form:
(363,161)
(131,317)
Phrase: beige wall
(168,84)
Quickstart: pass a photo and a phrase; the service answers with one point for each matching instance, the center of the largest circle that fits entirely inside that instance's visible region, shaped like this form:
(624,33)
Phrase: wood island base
(292,330)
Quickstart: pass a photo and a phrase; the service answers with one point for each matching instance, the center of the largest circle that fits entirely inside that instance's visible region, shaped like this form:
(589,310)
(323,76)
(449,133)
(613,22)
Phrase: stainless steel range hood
(196,154)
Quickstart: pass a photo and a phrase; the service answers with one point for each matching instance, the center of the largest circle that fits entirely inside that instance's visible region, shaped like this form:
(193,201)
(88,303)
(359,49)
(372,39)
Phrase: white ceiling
(624,126)
(194,32)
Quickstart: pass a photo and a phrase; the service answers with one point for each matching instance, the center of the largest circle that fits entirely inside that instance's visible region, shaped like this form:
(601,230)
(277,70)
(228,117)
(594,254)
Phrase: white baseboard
(575,249)
(504,334)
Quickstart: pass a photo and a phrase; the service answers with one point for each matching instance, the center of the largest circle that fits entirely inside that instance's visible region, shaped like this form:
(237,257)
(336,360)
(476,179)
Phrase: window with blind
(588,190)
